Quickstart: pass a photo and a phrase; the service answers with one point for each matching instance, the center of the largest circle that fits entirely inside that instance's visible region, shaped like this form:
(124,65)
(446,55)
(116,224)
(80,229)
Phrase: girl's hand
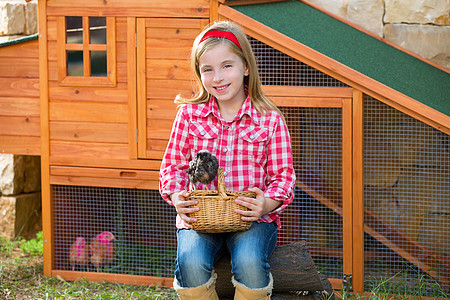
(257,206)
(182,207)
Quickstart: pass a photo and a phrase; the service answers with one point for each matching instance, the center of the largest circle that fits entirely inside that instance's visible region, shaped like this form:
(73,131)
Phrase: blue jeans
(249,250)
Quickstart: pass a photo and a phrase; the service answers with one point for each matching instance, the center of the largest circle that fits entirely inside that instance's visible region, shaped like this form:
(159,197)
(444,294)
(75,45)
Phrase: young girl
(231,117)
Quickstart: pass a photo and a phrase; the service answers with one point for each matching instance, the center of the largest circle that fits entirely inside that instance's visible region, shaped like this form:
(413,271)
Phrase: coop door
(163,47)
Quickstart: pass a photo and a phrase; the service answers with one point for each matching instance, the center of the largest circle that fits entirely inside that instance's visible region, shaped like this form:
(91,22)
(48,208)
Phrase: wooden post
(358,191)
(45,140)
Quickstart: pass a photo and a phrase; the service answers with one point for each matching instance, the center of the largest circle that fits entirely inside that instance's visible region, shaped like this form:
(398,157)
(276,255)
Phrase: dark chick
(203,168)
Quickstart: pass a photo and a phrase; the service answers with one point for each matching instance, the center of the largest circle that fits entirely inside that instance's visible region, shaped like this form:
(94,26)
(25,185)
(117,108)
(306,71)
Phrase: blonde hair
(252,81)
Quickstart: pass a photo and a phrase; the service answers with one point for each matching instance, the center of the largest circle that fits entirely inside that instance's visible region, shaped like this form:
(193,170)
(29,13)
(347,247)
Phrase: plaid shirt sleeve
(280,171)
(173,173)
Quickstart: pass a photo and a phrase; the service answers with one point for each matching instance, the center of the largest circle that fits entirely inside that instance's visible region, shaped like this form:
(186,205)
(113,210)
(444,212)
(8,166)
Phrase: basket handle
(221,183)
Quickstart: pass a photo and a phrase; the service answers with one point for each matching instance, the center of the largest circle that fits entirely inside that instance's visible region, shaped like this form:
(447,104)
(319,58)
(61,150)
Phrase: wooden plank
(122,51)
(163,50)
(121,29)
(214,13)
(121,72)
(105,182)
(339,71)
(20,145)
(111,50)
(180,33)
(163,89)
(10,106)
(297,91)
(104,173)
(52,51)
(159,132)
(161,109)
(174,23)
(244,2)
(302,101)
(29,49)
(168,69)
(141,88)
(156,148)
(19,87)
(114,278)
(51,28)
(126,11)
(159,128)
(89,112)
(85,48)
(358,191)
(132,87)
(166,4)
(20,126)
(47,210)
(21,67)
(89,150)
(89,94)
(347,200)
(169,43)
(144,164)
(88,132)
(61,49)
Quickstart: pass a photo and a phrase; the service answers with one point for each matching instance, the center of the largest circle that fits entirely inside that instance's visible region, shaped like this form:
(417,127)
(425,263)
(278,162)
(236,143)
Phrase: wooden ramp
(409,249)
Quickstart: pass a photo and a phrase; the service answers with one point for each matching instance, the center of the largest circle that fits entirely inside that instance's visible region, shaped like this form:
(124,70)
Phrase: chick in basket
(203,168)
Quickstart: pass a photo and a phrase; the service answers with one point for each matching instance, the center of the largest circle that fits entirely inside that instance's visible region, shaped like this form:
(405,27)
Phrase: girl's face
(222,74)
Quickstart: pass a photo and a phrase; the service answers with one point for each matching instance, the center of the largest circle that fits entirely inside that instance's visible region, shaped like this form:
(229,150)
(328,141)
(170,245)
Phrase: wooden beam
(358,190)
(347,200)
(47,211)
(141,88)
(114,278)
(306,91)
(132,87)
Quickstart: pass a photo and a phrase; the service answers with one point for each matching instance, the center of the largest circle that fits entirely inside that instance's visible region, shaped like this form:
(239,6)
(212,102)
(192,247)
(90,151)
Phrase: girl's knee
(252,272)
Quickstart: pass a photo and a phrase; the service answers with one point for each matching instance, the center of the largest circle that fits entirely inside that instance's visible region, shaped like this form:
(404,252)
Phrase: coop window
(86,51)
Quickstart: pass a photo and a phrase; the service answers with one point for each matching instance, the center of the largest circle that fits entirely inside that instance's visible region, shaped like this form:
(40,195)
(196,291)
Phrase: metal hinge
(137,133)
(347,283)
(135,40)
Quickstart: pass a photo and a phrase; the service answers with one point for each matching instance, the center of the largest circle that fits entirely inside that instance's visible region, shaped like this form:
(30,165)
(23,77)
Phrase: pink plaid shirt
(254,150)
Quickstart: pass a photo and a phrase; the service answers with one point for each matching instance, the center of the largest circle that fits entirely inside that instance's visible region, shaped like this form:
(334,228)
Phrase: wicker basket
(216,212)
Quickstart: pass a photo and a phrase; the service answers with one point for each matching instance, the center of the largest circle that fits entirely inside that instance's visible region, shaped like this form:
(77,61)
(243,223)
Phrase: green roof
(357,50)
(20,40)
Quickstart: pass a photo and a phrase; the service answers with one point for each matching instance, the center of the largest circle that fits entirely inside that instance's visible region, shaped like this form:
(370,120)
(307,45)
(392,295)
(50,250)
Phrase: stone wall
(421,26)
(20,196)
(17,18)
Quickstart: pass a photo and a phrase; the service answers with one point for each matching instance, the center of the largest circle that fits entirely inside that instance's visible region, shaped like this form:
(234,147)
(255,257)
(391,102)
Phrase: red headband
(222,34)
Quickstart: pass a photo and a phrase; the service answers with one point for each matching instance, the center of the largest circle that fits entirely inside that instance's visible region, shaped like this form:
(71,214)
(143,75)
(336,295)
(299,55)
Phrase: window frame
(86,47)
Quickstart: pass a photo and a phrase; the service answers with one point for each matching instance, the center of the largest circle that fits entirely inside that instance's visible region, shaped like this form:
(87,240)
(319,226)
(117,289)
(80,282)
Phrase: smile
(221,88)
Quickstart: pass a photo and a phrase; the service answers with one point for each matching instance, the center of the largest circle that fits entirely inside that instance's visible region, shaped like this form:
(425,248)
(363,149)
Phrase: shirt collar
(211,106)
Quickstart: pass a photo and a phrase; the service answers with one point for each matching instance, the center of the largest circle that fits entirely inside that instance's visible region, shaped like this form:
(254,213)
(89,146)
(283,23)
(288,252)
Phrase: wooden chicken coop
(369,121)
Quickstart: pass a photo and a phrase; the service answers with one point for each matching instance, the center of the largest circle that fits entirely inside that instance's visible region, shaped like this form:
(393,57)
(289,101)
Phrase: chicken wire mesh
(141,222)
(316,135)
(279,69)
(406,198)
(317,149)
